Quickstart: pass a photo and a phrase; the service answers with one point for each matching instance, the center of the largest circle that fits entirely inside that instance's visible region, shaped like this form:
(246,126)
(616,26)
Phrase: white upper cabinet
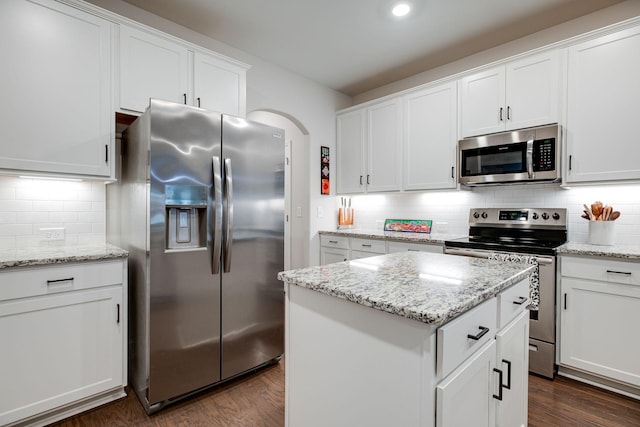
(154,66)
(151,66)
(369,145)
(350,160)
(603,108)
(219,86)
(520,94)
(55,80)
(384,145)
(430,138)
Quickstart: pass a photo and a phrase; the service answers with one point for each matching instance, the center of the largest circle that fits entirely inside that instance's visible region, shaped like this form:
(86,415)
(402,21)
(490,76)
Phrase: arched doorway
(297,202)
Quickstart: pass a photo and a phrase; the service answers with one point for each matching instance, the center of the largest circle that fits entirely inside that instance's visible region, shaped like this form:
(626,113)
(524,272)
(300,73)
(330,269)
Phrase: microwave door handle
(530,158)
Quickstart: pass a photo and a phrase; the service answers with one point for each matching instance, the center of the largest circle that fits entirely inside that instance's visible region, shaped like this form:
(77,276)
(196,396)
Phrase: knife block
(345,217)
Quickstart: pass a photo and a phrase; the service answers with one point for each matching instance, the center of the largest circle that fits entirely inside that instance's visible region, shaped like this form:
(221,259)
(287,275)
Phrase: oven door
(542,322)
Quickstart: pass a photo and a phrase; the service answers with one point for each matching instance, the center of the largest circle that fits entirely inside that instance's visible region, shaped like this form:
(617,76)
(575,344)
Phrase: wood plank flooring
(257,400)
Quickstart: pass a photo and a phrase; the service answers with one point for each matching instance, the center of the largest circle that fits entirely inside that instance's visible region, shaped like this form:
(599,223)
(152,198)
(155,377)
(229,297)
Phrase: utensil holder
(602,233)
(345,217)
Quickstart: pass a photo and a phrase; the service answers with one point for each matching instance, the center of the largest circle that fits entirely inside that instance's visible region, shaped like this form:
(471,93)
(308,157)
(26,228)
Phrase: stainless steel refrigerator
(201,203)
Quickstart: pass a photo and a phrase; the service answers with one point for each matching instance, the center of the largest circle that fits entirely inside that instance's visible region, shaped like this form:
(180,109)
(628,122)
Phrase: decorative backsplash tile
(27,205)
(449,210)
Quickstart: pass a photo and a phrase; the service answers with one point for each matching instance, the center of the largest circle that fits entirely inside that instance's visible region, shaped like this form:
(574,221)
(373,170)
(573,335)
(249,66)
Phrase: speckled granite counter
(430,288)
(58,255)
(628,252)
(393,235)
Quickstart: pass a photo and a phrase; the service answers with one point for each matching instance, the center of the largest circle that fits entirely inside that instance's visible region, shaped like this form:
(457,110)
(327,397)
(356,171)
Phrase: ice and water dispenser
(186,210)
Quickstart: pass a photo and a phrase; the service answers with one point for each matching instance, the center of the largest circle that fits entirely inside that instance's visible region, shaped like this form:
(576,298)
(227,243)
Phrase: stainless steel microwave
(525,155)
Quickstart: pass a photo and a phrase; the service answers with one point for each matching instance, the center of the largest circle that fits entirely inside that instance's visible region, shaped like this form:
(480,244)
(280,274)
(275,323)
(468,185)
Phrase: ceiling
(354,46)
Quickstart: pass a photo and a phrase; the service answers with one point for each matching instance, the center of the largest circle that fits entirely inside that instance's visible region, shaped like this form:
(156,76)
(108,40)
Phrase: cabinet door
(482,98)
(331,255)
(513,359)
(603,108)
(58,349)
(598,323)
(351,152)
(218,85)
(430,138)
(151,67)
(384,144)
(465,398)
(532,95)
(55,81)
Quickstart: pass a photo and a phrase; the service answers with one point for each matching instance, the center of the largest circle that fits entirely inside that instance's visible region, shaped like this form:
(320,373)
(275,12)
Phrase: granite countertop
(431,288)
(58,255)
(399,236)
(628,252)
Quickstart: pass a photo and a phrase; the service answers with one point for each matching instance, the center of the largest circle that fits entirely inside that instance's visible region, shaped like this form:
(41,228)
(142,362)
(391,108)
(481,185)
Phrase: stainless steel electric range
(524,231)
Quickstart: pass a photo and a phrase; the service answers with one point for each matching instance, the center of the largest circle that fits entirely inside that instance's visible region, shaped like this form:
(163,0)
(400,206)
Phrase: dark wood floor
(257,400)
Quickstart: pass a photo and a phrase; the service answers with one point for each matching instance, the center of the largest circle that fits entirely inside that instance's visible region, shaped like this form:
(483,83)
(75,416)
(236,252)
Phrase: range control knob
(476,215)
(555,216)
(535,215)
(484,215)
(545,216)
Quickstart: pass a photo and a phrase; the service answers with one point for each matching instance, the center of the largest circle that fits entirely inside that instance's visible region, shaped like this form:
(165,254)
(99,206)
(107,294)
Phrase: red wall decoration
(325,183)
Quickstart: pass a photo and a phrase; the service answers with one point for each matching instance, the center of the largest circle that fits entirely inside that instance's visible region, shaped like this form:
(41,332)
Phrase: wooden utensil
(596,208)
(587,210)
(614,215)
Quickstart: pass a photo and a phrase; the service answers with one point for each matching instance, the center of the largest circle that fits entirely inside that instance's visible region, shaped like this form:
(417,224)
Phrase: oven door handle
(485,254)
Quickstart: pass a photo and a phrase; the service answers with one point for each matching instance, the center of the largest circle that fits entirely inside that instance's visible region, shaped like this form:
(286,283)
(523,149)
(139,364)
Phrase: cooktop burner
(534,231)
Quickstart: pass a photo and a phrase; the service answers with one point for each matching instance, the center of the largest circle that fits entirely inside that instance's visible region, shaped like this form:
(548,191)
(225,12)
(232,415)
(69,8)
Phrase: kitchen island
(398,338)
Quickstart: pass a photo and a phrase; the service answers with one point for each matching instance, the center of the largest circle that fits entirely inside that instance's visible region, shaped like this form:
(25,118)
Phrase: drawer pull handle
(413,250)
(626,273)
(508,363)
(499,395)
(52,282)
(483,332)
(520,300)
(366,246)
(333,241)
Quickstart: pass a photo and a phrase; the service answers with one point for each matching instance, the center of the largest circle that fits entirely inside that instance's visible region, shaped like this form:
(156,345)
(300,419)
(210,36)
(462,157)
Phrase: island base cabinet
(598,328)
(350,365)
(491,387)
(513,360)
(58,349)
(464,398)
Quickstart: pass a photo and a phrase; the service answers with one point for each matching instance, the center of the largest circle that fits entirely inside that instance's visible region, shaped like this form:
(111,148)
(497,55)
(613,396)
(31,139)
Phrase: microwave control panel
(544,155)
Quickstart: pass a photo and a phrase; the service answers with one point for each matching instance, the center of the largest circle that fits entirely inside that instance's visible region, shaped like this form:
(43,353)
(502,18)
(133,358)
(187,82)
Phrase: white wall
(449,210)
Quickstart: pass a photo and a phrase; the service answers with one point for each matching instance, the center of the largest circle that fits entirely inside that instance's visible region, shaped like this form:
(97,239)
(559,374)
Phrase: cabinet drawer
(512,301)
(42,280)
(455,345)
(368,245)
(414,247)
(334,241)
(605,270)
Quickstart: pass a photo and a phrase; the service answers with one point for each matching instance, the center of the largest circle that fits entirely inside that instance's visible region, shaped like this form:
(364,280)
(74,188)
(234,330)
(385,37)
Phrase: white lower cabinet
(436,248)
(489,386)
(64,343)
(513,360)
(464,398)
(600,309)
(341,248)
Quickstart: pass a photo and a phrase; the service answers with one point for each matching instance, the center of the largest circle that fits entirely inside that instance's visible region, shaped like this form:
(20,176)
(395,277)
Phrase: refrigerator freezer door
(184,295)
(252,296)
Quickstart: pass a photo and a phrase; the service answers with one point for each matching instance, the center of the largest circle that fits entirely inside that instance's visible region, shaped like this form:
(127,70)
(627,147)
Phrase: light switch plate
(52,233)
(320,212)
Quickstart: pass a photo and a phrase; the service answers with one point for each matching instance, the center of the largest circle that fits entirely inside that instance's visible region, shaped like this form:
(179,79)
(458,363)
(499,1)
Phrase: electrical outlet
(52,233)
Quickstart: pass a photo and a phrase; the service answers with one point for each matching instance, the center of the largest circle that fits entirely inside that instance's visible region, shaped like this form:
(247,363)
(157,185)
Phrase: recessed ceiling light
(401,9)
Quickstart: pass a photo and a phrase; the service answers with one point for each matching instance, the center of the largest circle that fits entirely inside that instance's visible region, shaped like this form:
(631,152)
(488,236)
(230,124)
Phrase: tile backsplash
(449,210)
(28,204)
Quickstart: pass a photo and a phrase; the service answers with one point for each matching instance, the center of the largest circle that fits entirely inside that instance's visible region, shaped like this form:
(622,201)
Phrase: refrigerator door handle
(217,216)
(228,176)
